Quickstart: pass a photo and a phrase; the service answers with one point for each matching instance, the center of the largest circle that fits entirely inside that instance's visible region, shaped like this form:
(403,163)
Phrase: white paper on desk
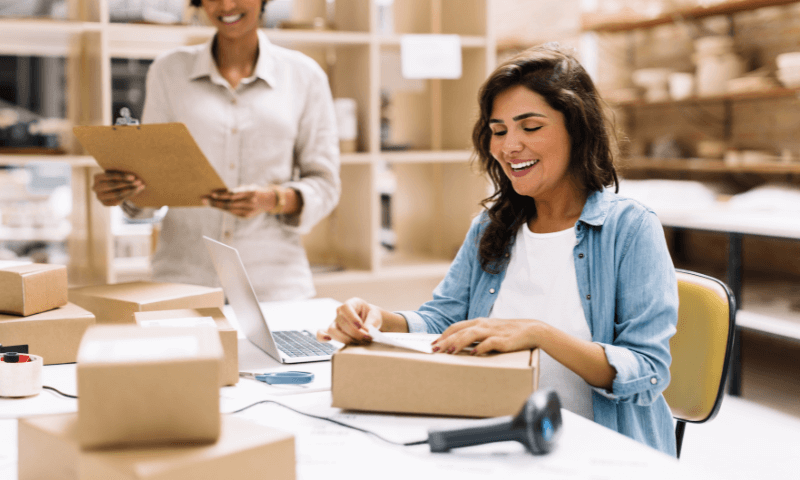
(430,56)
(411,341)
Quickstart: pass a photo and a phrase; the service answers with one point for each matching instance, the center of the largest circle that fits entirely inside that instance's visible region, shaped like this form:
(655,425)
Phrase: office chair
(701,350)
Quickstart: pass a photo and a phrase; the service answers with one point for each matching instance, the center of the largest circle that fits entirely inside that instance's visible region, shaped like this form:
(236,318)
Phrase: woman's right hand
(113,187)
(350,324)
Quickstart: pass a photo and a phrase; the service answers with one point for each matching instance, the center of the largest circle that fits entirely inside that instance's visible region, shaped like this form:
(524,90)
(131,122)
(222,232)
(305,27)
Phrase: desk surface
(585,448)
(723,218)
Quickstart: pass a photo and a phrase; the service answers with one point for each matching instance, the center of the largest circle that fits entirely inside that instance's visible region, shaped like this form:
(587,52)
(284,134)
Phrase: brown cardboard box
(48,448)
(117,303)
(388,379)
(227,334)
(33,288)
(54,335)
(142,386)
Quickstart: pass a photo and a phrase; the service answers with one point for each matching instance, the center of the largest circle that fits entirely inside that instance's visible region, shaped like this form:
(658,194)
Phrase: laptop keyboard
(301,343)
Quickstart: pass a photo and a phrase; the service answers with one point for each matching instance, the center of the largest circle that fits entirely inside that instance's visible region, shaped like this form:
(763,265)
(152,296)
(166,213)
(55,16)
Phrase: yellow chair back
(700,348)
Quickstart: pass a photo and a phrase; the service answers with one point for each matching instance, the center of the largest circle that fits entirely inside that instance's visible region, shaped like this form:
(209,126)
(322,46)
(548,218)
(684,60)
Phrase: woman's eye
(531,129)
(499,133)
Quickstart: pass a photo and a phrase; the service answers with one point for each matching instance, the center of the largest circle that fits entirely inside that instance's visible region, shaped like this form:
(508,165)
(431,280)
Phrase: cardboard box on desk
(49,449)
(388,379)
(184,317)
(54,335)
(117,303)
(32,288)
(143,386)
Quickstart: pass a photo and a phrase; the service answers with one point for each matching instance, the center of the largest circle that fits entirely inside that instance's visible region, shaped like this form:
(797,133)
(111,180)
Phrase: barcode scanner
(537,426)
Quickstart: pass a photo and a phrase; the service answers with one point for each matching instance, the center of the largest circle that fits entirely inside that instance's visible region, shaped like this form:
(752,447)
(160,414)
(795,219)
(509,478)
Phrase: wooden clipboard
(163,155)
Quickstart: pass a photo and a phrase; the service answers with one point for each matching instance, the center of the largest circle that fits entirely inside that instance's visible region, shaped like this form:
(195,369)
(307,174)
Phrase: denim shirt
(629,292)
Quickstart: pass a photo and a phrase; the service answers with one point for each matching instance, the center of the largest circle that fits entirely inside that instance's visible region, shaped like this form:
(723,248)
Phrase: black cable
(59,392)
(328,419)
(337,422)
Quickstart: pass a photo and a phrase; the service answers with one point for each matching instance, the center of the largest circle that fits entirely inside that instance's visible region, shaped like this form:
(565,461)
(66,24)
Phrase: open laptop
(286,346)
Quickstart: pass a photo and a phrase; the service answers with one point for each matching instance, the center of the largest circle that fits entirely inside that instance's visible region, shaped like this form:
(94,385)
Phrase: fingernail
(205,202)
(435,349)
(327,338)
(367,338)
(474,352)
(434,342)
(451,349)
(129,178)
(357,324)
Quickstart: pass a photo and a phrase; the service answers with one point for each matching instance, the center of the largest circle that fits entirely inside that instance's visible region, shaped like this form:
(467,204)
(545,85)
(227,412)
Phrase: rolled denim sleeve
(646,315)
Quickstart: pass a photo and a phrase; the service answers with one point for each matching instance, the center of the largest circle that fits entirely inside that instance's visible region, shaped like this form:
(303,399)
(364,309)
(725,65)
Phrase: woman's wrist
(279,202)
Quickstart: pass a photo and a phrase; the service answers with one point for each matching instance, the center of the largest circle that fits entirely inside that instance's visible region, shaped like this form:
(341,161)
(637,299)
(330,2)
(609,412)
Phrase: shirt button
(588,297)
(233,100)
(508,255)
(580,255)
(653,380)
(234,130)
(233,166)
(491,290)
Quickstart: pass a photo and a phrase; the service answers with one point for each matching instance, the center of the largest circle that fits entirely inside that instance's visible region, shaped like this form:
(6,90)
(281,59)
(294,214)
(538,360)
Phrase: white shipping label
(142,349)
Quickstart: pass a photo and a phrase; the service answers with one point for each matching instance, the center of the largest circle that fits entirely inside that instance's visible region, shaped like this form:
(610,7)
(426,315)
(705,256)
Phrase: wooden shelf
(427,156)
(41,37)
(773,93)
(630,20)
(24,159)
(704,165)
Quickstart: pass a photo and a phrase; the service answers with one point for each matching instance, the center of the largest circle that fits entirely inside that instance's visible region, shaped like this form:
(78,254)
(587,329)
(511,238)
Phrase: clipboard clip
(125,117)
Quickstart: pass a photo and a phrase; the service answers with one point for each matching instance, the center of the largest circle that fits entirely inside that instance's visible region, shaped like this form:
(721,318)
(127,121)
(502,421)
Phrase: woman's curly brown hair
(561,80)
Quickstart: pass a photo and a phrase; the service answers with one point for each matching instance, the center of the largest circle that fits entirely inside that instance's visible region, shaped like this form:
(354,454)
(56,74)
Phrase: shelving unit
(437,192)
(722,115)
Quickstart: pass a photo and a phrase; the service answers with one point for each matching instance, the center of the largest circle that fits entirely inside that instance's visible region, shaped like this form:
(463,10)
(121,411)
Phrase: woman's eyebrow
(527,115)
(519,117)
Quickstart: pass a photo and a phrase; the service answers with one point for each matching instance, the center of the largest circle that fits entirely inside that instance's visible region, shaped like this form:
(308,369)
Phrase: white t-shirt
(540,284)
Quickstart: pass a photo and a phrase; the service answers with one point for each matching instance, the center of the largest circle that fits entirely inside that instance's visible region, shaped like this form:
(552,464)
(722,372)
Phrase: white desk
(325,450)
(721,218)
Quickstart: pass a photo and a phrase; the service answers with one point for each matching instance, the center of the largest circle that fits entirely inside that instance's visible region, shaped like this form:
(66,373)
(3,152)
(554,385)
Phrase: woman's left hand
(244,204)
(492,334)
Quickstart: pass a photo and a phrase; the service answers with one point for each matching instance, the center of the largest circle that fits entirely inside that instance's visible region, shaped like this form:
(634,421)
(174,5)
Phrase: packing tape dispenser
(20,374)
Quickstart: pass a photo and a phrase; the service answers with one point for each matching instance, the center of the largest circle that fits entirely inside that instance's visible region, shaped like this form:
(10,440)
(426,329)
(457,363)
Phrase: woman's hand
(113,187)
(243,204)
(492,335)
(350,324)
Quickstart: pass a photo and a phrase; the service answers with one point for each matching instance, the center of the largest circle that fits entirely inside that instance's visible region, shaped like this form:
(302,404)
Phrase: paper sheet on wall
(430,56)
(412,341)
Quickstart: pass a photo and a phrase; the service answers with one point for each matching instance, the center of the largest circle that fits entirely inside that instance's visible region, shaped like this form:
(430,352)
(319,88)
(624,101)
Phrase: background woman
(263,116)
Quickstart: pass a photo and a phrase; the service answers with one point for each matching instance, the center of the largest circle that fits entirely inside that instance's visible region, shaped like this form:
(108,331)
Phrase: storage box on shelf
(437,194)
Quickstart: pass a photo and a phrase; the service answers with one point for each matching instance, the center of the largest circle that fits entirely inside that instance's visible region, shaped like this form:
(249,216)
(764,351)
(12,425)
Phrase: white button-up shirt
(276,127)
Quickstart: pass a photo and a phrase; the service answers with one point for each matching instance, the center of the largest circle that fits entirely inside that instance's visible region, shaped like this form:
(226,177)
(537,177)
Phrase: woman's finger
(455,328)
(462,339)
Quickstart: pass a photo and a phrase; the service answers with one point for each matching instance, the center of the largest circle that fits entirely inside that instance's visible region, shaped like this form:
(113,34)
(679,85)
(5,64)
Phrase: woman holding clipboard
(263,115)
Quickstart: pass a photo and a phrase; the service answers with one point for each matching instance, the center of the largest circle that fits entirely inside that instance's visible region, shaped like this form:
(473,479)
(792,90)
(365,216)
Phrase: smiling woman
(557,261)
(263,115)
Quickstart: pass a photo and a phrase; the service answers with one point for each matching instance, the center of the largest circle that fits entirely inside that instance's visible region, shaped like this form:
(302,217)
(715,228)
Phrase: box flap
(521,359)
(131,344)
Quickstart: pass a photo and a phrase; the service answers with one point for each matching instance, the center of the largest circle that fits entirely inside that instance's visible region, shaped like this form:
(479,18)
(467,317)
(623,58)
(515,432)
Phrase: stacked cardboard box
(213,317)
(35,316)
(148,408)
(117,303)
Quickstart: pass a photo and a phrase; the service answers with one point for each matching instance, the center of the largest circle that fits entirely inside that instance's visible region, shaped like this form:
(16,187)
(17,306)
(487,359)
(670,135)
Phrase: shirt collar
(204,65)
(596,207)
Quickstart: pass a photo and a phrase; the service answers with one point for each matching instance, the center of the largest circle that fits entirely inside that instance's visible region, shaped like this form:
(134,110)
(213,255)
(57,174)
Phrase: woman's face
(233,18)
(531,143)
